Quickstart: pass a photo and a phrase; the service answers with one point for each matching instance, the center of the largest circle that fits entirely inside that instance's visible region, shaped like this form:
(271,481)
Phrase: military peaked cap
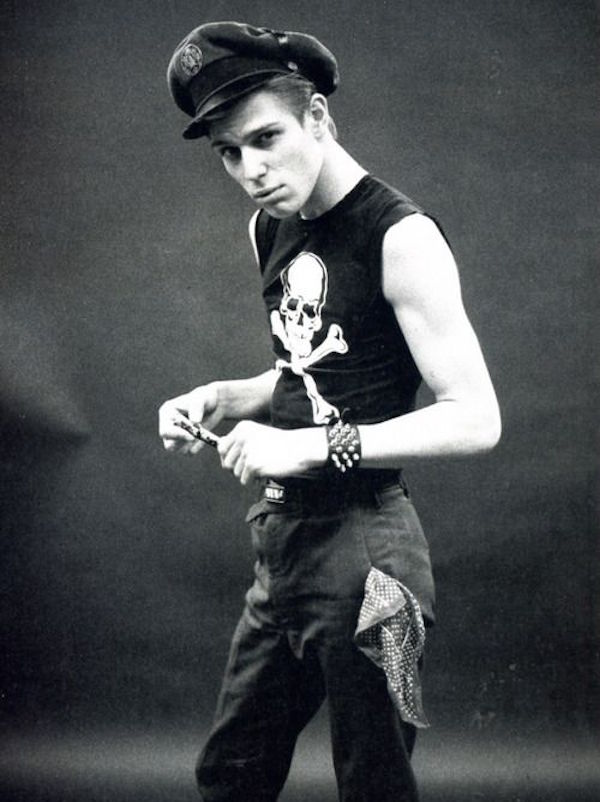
(221,61)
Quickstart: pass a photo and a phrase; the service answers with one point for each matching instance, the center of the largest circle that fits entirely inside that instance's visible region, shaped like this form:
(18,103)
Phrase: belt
(330,488)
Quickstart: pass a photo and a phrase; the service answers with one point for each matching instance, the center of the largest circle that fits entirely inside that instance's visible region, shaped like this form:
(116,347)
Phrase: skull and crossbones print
(296,322)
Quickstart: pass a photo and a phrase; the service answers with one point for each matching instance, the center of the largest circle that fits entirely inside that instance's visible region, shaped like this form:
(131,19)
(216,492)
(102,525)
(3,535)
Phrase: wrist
(217,393)
(240,399)
(312,444)
(344,450)
(223,396)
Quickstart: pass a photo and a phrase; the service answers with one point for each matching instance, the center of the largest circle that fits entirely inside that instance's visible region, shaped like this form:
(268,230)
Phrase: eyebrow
(261,129)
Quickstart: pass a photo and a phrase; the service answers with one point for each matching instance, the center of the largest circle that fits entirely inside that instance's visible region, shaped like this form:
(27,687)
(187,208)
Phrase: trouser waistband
(284,491)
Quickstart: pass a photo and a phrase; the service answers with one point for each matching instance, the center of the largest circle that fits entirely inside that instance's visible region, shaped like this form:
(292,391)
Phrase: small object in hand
(198,431)
(343,442)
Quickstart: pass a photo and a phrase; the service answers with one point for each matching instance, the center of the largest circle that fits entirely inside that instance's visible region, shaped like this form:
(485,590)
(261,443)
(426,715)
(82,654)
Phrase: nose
(253,164)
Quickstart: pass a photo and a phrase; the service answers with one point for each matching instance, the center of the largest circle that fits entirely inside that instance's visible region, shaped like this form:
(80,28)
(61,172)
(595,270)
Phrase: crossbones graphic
(296,322)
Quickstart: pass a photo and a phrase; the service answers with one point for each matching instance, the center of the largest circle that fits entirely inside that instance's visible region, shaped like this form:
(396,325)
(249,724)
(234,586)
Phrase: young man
(364,301)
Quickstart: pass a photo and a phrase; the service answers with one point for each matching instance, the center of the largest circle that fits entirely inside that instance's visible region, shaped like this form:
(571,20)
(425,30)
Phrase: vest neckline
(339,207)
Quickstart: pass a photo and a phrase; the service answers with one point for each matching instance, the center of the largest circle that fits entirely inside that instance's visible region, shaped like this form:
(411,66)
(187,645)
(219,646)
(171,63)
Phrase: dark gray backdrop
(126,278)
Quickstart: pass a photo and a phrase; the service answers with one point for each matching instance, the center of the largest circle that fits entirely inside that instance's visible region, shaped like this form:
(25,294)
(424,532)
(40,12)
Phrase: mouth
(263,194)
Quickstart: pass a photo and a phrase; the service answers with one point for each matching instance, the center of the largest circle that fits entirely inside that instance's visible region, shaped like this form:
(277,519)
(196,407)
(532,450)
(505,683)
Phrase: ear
(318,115)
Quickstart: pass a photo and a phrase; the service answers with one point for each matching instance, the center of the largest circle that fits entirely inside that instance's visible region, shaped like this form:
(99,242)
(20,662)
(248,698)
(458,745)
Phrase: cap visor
(228,93)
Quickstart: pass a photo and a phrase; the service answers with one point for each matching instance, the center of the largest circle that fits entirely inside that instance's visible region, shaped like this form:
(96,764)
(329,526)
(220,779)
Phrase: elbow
(489,429)
(491,437)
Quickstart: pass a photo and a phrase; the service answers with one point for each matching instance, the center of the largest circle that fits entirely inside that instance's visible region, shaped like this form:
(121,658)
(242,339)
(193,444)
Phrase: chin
(286,206)
(281,211)
(280,214)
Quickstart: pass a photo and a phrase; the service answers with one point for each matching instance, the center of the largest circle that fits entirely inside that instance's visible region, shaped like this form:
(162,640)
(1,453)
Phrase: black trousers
(293,647)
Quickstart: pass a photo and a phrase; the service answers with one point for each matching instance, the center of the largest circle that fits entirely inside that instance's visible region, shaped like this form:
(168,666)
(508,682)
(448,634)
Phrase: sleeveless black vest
(337,343)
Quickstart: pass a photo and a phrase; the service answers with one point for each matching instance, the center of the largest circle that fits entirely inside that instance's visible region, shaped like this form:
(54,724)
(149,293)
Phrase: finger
(229,448)
(197,446)
(179,445)
(174,408)
(246,475)
(168,416)
(170,431)
(187,426)
(196,409)
(231,457)
(224,445)
(240,465)
(187,449)
(196,415)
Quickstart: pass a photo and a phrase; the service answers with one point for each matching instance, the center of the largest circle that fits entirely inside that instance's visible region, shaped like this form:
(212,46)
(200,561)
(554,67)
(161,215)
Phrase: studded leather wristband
(343,444)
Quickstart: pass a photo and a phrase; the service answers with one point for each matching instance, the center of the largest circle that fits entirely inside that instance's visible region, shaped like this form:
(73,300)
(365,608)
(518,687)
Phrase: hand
(252,450)
(199,406)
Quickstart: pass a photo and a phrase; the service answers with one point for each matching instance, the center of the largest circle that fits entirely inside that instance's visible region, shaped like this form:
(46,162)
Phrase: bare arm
(420,281)
(246,398)
(209,404)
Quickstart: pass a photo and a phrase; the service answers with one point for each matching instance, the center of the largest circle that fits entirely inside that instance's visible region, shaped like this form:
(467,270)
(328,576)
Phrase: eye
(266,138)
(229,154)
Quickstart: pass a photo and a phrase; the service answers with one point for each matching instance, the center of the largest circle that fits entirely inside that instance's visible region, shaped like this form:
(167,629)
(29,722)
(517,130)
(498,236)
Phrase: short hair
(294,90)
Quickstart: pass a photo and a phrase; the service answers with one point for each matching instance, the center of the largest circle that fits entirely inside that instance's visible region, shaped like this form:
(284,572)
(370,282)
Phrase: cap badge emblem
(191,60)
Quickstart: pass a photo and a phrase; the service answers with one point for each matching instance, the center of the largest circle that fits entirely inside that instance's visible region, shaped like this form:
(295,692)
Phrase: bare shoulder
(417,260)
(417,231)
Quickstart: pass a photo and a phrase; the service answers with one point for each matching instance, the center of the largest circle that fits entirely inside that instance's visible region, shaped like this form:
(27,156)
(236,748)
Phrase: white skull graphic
(304,293)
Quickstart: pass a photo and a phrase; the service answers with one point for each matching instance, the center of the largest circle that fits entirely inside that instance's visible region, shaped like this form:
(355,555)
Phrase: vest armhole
(252,234)
(262,234)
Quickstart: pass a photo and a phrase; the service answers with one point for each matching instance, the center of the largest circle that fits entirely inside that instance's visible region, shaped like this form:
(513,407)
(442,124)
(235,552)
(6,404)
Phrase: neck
(339,175)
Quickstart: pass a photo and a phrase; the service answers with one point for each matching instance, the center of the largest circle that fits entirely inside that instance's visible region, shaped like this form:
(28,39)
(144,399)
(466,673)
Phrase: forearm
(445,428)
(245,399)
(252,450)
